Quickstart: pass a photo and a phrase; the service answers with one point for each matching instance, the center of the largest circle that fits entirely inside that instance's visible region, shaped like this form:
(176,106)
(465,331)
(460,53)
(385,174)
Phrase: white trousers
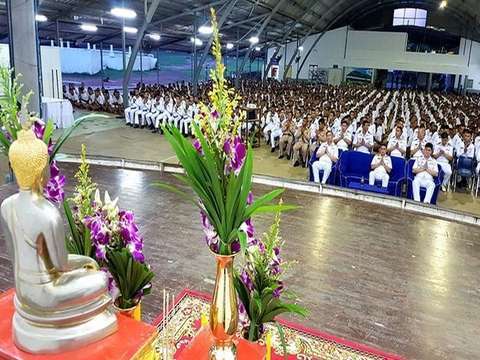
(447,169)
(129,111)
(185,125)
(428,184)
(266,129)
(379,174)
(318,166)
(138,117)
(150,117)
(276,133)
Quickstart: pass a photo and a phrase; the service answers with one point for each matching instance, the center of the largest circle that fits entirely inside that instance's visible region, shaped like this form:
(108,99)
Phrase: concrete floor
(110,137)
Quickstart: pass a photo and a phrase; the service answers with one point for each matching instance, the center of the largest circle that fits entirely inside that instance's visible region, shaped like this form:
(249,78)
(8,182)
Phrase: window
(410,17)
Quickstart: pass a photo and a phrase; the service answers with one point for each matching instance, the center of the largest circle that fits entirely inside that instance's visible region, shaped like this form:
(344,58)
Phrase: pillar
(25,48)
(429,82)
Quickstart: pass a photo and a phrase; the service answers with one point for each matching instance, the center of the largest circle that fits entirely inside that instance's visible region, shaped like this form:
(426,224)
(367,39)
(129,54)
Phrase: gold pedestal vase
(224,311)
(135,312)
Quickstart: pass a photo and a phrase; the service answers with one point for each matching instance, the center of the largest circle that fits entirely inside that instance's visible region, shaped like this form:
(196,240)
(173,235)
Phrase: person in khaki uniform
(286,140)
(300,148)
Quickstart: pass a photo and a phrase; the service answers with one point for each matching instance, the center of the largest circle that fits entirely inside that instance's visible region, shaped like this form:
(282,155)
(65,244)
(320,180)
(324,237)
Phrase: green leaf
(281,333)
(242,237)
(49,127)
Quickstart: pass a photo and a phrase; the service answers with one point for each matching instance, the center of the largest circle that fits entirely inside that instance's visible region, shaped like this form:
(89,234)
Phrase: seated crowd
(307,121)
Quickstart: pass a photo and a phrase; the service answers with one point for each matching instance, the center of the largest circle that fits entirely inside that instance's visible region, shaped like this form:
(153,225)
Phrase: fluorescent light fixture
(300,48)
(258,48)
(88,27)
(130,30)
(154,36)
(123,13)
(197,41)
(205,29)
(229,46)
(254,40)
(40,18)
(443,4)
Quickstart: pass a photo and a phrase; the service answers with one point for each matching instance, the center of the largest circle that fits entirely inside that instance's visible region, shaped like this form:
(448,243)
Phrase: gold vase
(135,312)
(224,311)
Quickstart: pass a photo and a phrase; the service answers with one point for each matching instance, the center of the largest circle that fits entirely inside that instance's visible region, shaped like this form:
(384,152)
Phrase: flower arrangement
(12,121)
(218,166)
(259,284)
(98,228)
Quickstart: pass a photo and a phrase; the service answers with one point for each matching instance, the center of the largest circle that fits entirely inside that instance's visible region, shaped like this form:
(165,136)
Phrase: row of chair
(353,167)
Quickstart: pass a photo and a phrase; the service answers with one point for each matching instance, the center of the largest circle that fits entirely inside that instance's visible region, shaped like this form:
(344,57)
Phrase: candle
(203,320)
(268,355)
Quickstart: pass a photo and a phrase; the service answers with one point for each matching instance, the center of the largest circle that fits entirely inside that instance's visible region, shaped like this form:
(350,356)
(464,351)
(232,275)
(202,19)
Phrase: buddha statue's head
(29,160)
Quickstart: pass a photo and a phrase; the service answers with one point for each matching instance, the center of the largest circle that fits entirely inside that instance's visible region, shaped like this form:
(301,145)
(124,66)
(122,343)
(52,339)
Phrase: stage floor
(398,281)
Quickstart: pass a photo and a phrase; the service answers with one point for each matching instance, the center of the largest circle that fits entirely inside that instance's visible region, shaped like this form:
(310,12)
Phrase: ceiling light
(229,46)
(89,27)
(254,40)
(41,18)
(300,48)
(130,30)
(123,13)
(258,48)
(155,36)
(205,29)
(197,41)
(443,4)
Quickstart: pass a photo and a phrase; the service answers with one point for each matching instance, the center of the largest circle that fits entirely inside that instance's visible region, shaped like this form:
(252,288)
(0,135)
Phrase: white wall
(51,72)
(51,69)
(380,50)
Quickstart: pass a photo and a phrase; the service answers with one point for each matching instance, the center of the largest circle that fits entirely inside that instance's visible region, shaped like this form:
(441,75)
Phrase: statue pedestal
(133,340)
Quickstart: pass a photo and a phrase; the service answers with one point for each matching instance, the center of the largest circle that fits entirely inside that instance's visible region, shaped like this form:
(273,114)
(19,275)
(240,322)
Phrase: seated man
(425,169)
(397,145)
(327,155)
(381,166)
(444,154)
(363,140)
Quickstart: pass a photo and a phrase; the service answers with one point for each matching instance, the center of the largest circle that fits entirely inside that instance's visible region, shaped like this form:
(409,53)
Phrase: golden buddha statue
(61,300)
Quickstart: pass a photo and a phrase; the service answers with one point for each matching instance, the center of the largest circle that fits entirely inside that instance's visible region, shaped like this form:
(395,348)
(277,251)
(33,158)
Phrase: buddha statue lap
(61,300)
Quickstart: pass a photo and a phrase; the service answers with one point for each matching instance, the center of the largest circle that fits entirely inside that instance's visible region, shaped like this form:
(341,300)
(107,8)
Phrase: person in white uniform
(443,153)
(363,140)
(397,145)
(327,155)
(425,169)
(381,167)
(343,137)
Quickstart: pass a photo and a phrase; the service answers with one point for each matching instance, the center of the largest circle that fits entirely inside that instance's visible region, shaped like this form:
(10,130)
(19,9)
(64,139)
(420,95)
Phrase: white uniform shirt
(386,160)
(342,144)
(447,149)
(368,137)
(468,151)
(402,144)
(332,149)
(431,164)
(418,143)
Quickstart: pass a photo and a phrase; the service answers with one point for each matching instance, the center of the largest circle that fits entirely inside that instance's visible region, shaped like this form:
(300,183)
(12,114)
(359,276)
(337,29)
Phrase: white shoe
(444,188)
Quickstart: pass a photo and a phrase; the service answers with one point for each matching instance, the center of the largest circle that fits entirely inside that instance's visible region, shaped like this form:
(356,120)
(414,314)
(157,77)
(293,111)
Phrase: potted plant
(98,228)
(260,287)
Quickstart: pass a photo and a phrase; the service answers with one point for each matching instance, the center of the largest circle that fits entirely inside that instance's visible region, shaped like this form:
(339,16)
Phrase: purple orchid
(250,198)
(198,146)
(39,128)
(113,289)
(246,280)
(236,152)
(243,316)
(54,191)
(278,291)
(235,247)
(211,236)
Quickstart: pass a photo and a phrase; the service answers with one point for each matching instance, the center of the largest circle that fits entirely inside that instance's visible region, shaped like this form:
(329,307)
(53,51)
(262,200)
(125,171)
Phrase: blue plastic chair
(465,167)
(333,178)
(410,176)
(397,176)
(354,166)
